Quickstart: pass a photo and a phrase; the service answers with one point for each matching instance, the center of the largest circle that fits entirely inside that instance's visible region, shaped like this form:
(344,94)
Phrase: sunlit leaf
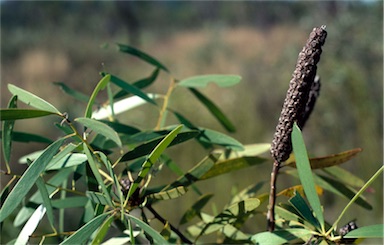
(169,194)
(281,236)
(30,226)
(153,157)
(195,209)
(371,231)
(305,173)
(76,94)
(331,160)
(70,160)
(285,215)
(32,100)
(46,200)
(100,86)
(28,179)
(140,54)
(16,114)
(204,80)
(100,128)
(82,234)
(227,166)
(215,111)
(247,193)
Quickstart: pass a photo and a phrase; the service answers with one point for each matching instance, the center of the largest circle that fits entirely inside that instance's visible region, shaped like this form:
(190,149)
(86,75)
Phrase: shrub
(106,168)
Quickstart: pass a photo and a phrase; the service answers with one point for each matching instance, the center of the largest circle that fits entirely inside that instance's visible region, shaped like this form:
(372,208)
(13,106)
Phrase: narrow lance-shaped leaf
(155,154)
(76,94)
(281,236)
(204,80)
(28,137)
(46,201)
(169,194)
(371,231)
(16,114)
(329,161)
(305,173)
(304,210)
(100,86)
(158,239)
(215,111)
(81,235)
(100,128)
(7,132)
(195,209)
(140,54)
(31,225)
(28,179)
(131,89)
(32,100)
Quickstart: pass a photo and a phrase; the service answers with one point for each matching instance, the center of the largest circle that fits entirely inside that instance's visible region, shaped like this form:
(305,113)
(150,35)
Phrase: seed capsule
(301,95)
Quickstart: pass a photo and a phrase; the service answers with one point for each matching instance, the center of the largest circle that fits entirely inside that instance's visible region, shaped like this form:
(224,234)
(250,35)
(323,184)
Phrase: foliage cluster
(107,169)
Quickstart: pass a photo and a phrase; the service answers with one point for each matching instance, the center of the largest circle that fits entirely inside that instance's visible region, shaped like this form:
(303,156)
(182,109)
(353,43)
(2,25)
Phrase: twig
(272,197)
(161,219)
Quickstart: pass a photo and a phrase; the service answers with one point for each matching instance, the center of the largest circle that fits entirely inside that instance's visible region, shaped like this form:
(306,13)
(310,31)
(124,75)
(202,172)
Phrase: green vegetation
(348,115)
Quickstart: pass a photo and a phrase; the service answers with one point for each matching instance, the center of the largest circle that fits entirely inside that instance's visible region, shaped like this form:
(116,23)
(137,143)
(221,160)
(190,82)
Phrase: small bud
(301,95)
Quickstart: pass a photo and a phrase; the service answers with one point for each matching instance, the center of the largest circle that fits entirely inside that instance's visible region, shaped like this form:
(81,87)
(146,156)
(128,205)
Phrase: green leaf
(32,100)
(304,210)
(98,177)
(247,193)
(158,239)
(196,172)
(26,211)
(230,215)
(46,200)
(195,209)
(131,89)
(82,234)
(100,86)
(76,94)
(147,147)
(217,138)
(16,114)
(281,236)
(100,128)
(305,173)
(98,198)
(229,165)
(215,111)
(102,232)
(142,83)
(121,128)
(70,160)
(7,132)
(28,179)
(169,194)
(27,137)
(153,157)
(344,176)
(143,56)
(371,231)
(204,80)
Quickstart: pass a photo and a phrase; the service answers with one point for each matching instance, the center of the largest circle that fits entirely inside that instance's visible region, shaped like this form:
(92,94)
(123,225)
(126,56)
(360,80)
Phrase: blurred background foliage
(71,42)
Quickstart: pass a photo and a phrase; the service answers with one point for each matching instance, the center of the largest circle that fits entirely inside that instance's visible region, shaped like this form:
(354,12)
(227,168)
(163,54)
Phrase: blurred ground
(43,42)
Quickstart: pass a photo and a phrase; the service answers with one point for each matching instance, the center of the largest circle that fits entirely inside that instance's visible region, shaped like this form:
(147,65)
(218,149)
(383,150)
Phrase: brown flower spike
(301,95)
(299,102)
